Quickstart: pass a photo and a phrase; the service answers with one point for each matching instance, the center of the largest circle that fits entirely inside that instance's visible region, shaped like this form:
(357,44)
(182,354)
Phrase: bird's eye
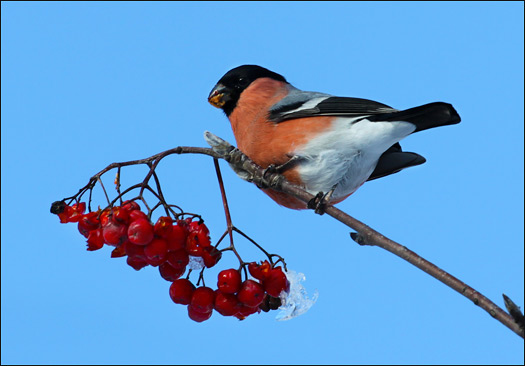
(242,83)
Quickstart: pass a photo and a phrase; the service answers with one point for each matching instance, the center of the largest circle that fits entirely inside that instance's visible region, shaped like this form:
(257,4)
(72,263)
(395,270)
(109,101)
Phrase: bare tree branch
(365,235)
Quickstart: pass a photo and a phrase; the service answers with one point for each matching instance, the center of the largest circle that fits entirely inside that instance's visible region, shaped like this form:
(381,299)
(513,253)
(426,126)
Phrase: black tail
(394,160)
(424,117)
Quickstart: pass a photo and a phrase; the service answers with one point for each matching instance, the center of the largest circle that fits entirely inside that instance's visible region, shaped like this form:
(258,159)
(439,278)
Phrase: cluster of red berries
(233,296)
(168,245)
(165,244)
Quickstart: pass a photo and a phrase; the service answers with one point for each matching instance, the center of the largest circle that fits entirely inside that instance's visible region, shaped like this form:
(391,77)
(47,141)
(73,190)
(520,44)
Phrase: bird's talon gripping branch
(280,169)
(272,168)
(320,201)
(317,203)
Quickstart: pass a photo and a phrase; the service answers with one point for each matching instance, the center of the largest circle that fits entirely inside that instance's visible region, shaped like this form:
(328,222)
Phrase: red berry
(140,231)
(193,225)
(275,282)
(229,281)
(64,215)
(192,246)
(178,258)
(226,304)
(197,316)
(177,237)
(204,240)
(259,271)
(120,215)
(133,250)
(211,256)
(136,262)
(170,273)
(88,222)
(199,226)
(130,205)
(95,240)
(202,299)
(163,226)
(72,213)
(199,233)
(118,252)
(156,251)
(79,207)
(137,214)
(181,291)
(105,217)
(76,212)
(244,311)
(251,293)
(114,233)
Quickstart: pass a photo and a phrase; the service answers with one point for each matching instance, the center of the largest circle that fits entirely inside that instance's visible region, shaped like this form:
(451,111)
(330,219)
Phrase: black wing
(307,104)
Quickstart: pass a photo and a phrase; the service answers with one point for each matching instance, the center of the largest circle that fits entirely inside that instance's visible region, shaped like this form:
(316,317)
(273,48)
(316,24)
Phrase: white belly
(347,154)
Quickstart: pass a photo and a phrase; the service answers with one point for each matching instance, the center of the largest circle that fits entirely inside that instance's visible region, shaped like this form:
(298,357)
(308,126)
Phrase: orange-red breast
(337,142)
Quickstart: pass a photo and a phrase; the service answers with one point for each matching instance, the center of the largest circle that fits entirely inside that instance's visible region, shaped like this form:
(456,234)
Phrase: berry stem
(201,277)
(104,189)
(159,190)
(226,208)
(270,256)
(224,199)
(117,184)
(221,238)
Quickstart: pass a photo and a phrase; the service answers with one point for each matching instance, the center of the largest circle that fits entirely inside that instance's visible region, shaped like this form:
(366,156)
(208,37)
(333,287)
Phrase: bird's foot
(320,201)
(278,169)
(272,168)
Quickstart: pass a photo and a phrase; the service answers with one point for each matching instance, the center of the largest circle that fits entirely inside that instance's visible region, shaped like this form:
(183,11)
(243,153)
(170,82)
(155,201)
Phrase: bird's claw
(272,168)
(267,180)
(320,201)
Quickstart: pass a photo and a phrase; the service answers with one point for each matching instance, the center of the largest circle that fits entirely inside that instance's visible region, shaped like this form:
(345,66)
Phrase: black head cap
(228,90)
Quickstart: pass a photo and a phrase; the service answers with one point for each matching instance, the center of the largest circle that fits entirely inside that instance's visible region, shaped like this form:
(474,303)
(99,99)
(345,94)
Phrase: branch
(514,311)
(365,235)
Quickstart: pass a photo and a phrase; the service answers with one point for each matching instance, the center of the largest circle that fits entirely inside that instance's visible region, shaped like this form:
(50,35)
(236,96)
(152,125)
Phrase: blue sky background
(88,84)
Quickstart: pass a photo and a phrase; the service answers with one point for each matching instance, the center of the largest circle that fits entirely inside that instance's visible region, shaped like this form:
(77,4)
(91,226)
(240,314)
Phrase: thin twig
(226,210)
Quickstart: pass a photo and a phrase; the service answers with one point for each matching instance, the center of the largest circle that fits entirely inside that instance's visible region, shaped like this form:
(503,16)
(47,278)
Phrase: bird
(325,144)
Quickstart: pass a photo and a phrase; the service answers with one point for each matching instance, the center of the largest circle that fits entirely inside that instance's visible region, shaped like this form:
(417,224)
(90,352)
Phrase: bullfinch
(320,142)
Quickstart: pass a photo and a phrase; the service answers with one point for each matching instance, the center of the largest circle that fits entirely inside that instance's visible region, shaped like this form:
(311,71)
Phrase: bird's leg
(272,168)
(279,169)
(320,200)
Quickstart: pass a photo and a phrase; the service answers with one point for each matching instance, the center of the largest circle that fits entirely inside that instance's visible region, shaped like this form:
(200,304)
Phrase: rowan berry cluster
(233,296)
(165,244)
(169,245)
